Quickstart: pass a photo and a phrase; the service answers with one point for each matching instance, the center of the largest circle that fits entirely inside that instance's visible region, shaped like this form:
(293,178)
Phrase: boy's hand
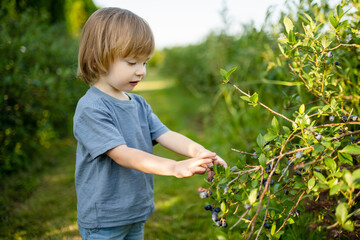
(197,165)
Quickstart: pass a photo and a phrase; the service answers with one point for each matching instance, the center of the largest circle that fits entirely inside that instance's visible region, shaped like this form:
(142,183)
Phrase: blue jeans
(127,232)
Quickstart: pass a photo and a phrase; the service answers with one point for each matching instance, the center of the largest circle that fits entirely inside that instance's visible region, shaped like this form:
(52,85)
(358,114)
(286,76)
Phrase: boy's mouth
(134,83)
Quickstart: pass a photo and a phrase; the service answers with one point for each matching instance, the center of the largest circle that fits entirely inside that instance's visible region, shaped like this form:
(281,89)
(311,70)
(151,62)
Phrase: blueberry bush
(308,159)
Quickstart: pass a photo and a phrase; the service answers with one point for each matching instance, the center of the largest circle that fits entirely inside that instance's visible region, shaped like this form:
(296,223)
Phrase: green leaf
(223,75)
(311,183)
(335,189)
(289,26)
(351,149)
(252,196)
(356,174)
(260,140)
(302,109)
(341,213)
(345,158)
(254,98)
(230,72)
(320,176)
(348,226)
(275,125)
(292,37)
(246,98)
(262,160)
(339,11)
(226,74)
(325,42)
(331,164)
(223,207)
(273,228)
(333,21)
(348,178)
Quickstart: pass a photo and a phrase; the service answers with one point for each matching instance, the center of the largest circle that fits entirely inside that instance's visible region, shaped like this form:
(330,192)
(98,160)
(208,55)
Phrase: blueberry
(318,136)
(318,170)
(329,54)
(298,173)
(337,63)
(354,118)
(214,217)
(299,155)
(204,195)
(286,192)
(290,163)
(352,138)
(297,212)
(247,206)
(223,222)
(254,155)
(208,207)
(224,225)
(331,118)
(218,223)
(344,118)
(267,225)
(217,209)
(272,182)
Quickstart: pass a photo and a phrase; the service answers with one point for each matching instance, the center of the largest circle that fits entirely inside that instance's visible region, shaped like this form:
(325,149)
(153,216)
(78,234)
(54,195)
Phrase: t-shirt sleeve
(157,128)
(95,130)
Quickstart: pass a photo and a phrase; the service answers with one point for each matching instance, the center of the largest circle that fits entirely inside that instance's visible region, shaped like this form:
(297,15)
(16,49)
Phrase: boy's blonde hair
(108,34)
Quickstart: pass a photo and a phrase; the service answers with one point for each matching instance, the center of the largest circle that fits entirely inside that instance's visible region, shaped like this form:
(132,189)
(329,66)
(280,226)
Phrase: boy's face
(123,75)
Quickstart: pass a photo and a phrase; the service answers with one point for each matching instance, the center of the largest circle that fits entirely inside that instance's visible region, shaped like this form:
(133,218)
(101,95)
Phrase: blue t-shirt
(109,194)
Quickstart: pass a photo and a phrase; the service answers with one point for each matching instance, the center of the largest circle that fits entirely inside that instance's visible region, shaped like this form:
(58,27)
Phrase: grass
(41,204)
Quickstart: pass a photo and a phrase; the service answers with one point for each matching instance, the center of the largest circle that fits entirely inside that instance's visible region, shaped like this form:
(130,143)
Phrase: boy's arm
(180,144)
(149,163)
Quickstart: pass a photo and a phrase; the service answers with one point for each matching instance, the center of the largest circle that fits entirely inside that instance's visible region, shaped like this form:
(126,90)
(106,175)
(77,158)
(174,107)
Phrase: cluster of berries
(353,118)
(330,55)
(204,193)
(220,222)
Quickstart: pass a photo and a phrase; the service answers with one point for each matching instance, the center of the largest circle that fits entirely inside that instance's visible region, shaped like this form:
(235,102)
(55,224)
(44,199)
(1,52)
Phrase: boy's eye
(131,63)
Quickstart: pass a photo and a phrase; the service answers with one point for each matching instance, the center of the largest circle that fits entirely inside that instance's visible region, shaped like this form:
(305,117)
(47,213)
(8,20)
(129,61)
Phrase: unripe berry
(298,155)
(203,195)
(318,136)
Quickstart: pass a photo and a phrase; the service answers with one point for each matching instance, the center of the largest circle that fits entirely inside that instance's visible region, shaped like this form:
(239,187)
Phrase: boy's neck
(111,91)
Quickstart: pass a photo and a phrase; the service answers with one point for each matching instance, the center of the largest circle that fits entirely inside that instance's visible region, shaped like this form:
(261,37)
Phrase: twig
(337,124)
(306,85)
(345,134)
(261,104)
(291,212)
(246,212)
(290,153)
(266,212)
(235,150)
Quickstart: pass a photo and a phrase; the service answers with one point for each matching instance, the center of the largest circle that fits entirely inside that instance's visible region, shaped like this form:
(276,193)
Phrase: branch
(291,212)
(261,104)
(310,90)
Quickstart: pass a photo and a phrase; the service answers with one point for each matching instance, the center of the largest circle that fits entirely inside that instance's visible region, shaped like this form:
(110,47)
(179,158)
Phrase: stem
(291,212)
(316,94)
(261,104)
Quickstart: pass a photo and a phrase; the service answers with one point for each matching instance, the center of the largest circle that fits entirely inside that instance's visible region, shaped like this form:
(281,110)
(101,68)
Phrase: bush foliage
(38,86)
(307,161)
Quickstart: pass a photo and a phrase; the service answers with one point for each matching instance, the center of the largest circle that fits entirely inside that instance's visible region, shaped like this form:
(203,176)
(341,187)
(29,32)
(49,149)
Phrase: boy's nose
(141,71)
